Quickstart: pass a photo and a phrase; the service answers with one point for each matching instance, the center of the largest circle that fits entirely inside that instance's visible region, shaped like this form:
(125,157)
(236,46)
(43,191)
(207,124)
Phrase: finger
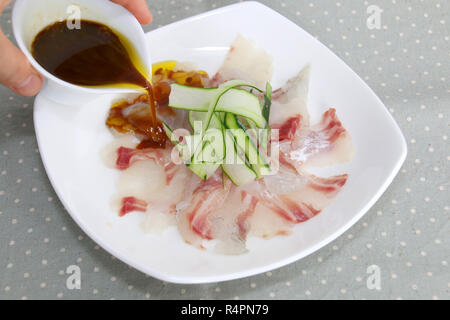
(4,4)
(16,72)
(137,7)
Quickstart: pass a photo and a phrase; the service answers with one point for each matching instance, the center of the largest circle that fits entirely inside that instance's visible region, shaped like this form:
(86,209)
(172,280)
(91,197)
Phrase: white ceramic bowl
(29,17)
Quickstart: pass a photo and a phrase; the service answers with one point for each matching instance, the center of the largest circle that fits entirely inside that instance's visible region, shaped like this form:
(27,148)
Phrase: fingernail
(30,86)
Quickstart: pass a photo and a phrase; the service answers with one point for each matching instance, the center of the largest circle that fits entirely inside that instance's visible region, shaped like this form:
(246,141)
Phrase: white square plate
(70,139)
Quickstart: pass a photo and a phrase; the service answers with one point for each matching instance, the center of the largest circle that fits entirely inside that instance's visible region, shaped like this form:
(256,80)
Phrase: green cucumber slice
(235,167)
(226,97)
(245,143)
(213,150)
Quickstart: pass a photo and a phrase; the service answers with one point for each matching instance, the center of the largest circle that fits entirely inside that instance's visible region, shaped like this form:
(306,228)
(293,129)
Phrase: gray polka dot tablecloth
(405,235)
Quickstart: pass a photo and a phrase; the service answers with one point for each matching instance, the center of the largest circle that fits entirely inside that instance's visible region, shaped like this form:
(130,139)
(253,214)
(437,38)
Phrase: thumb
(16,72)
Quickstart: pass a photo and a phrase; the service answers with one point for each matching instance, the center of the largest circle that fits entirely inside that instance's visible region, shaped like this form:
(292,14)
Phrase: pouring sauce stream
(96,56)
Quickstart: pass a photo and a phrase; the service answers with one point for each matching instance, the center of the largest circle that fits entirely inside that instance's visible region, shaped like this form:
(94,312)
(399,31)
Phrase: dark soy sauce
(96,56)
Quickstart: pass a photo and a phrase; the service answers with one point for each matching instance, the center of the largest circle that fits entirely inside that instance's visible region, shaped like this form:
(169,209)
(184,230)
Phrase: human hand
(137,7)
(16,72)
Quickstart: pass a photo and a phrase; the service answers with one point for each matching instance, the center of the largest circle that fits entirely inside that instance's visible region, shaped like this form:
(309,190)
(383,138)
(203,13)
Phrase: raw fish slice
(248,206)
(298,197)
(109,154)
(288,129)
(131,204)
(317,193)
(266,224)
(150,176)
(304,186)
(294,211)
(245,62)
(170,170)
(321,145)
(156,222)
(291,100)
(127,156)
(194,221)
(159,216)
(230,223)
